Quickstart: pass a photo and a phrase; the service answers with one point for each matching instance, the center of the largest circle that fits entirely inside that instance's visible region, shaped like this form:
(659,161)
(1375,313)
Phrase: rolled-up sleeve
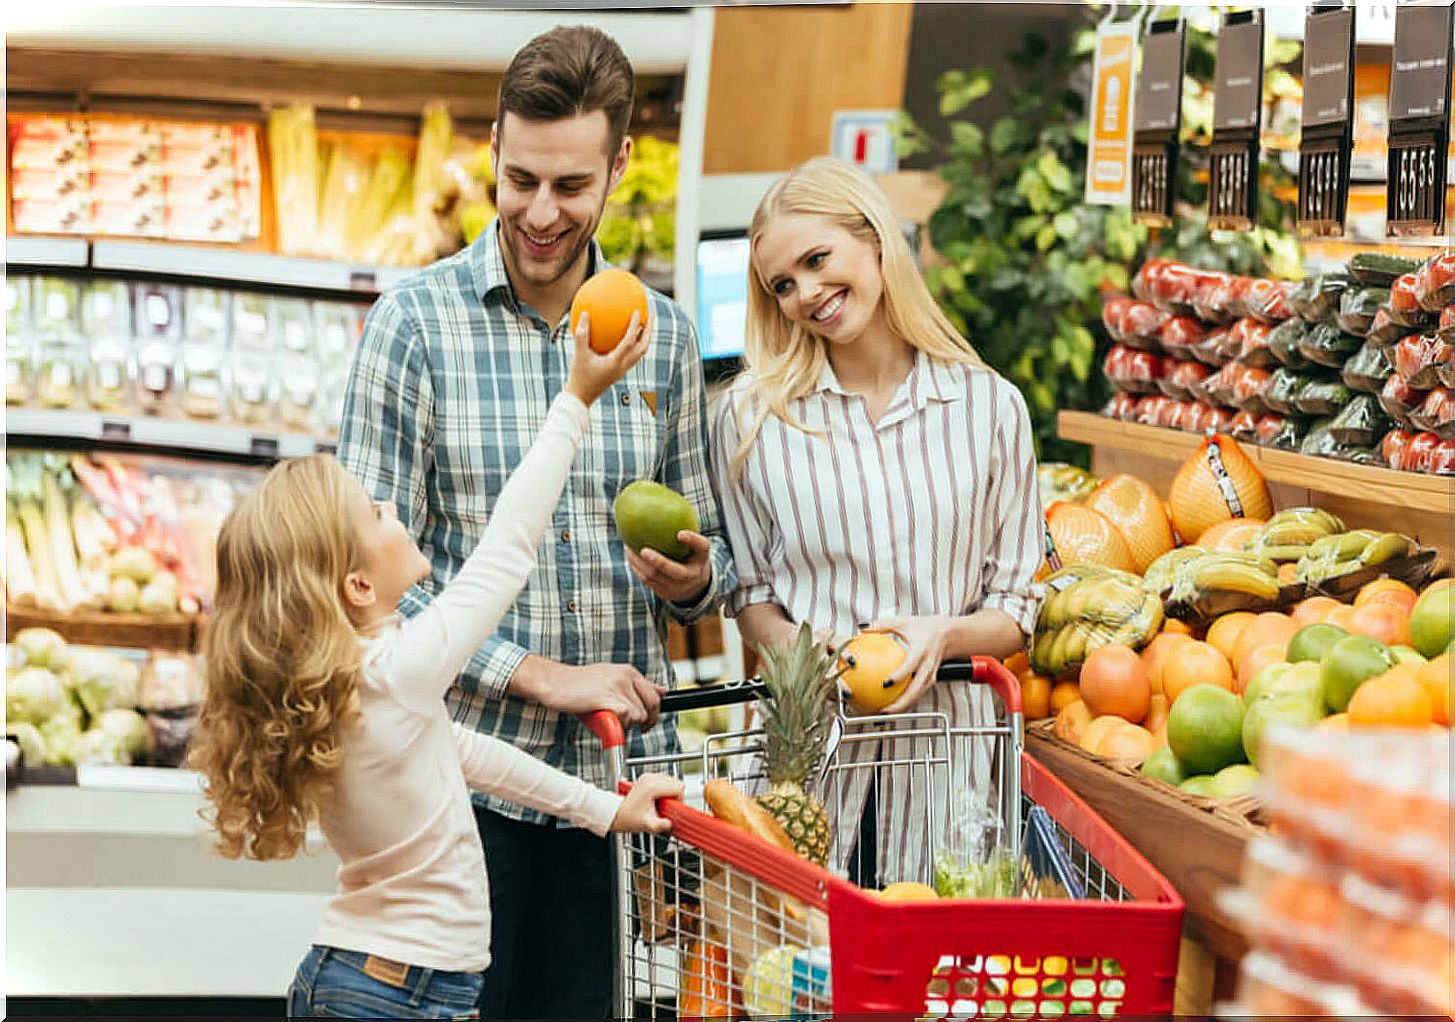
(1014,546)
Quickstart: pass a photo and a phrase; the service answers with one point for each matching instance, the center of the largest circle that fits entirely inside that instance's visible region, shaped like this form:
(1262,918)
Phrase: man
(454,374)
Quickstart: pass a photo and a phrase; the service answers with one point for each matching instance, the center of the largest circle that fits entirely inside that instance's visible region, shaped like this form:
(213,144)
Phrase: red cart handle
(987,671)
(606,726)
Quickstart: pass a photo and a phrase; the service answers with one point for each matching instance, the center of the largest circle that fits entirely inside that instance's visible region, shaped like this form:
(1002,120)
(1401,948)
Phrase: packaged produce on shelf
(157,326)
(1446,328)
(50,175)
(1361,423)
(1435,283)
(1384,331)
(1424,361)
(1436,414)
(1399,400)
(1088,606)
(106,332)
(1316,299)
(252,370)
(1357,308)
(206,315)
(1367,370)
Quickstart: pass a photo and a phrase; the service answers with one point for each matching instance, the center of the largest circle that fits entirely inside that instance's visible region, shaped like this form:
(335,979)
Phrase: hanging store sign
(1109,162)
(1232,191)
(1157,117)
(1327,143)
(1419,119)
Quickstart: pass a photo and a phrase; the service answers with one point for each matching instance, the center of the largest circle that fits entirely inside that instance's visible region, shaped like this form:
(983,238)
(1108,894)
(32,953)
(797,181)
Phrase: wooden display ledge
(1416,504)
(1198,851)
(103,628)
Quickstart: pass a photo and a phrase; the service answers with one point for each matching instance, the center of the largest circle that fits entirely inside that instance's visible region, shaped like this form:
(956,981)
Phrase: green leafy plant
(1024,262)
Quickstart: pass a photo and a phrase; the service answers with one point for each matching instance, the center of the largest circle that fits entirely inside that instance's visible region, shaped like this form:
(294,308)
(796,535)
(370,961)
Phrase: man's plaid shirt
(450,384)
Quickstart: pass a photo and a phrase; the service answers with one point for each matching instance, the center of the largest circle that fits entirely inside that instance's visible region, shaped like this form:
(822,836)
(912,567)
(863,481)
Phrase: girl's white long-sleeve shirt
(412,884)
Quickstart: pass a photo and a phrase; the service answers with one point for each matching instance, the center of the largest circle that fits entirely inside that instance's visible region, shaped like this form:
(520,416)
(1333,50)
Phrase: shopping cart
(719,923)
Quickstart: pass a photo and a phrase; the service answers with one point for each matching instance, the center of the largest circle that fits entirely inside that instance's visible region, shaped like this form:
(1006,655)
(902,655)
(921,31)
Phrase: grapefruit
(609,298)
(865,663)
(1205,729)
(1155,656)
(1262,682)
(1349,663)
(1436,677)
(1097,732)
(1197,498)
(1268,628)
(1382,620)
(1135,509)
(1162,765)
(1158,708)
(649,515)
(1433,619)
(1254,661)
(1387,589)
(1082,535)
(1127,743)
(1312,641)
(1114,681)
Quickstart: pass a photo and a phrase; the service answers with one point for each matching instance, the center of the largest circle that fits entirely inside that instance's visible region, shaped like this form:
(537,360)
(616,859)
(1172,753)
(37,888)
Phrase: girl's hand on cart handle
(592,373)
(638,812)
(926,639)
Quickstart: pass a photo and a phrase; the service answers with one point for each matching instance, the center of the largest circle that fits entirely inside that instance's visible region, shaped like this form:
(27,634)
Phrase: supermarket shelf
(175,434)
(42,251)
(220,264)
(1413,490)
(102,628)
(462,37)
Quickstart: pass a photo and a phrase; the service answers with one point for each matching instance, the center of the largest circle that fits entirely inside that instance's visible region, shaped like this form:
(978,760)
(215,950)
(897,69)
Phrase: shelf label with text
(1108,170)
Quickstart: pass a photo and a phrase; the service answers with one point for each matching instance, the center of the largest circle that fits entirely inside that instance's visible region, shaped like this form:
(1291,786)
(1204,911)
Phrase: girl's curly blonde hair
(281,659)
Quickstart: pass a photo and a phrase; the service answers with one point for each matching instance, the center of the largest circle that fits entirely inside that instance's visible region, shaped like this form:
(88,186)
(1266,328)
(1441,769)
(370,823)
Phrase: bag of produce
(1254,350)
(1283,387)
(1316,299)
(1142,279)
(1088,607)
(1385,331)
(1221,582)
(1122,406)
(1249,386)
(1217,389)
(1379,270)
(1367,370)
(1131,370)
(1435,283)
(1244,427)
(1177,414)
(1399,400)
(1150,409)
(1212,301)
(1321,396)
(1319,442)
(1442,459)
(1267,300)
(1357,307)
(1175,285)
(1436,413)
(1283,341)
(1141,324)
(1268,428)
(1290,434)
(1404,303)
(1394,448)
(1419,359)
(1362,423)
(1327,345)
(1180,336)
(1446,329)
(1113,310)
(1183,380)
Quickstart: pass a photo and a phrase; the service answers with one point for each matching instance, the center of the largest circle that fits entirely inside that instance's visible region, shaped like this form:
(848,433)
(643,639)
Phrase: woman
(875,473)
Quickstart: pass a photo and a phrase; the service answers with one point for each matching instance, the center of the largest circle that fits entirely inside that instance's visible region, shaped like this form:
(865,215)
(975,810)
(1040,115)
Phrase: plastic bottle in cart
(298,351)
(106,327)
(19,340)
(253,385)
(157,324)
(60,351)
(205,327)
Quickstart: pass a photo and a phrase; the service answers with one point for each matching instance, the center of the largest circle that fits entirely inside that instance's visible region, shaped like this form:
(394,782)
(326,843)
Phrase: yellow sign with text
(1109,160)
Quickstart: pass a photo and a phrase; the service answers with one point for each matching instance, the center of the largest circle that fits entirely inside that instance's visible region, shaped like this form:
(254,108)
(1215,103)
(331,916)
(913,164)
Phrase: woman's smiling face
(825,279)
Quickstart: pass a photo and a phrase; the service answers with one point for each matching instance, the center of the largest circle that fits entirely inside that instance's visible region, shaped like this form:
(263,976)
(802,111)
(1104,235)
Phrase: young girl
(322,706)
(874,472)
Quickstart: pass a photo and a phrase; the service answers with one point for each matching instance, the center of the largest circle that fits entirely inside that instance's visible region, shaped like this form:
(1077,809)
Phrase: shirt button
(571,606)
(565,535)
(626,398)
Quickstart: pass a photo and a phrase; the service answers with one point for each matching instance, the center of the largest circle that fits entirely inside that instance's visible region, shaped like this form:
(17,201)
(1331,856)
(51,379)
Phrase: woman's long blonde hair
(281,659)
(784,361)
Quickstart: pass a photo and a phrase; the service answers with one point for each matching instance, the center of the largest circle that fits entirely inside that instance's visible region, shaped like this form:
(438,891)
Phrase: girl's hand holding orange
(592,372)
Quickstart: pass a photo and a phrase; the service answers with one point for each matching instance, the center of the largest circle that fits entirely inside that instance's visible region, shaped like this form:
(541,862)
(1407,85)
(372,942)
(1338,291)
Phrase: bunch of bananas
(1160,573)
(1288,535)
(1225,571)
(1338,555)
(1088,607)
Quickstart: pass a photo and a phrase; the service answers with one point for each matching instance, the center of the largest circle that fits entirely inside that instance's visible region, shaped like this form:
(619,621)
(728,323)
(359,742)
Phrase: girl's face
(825,279)
(390,560)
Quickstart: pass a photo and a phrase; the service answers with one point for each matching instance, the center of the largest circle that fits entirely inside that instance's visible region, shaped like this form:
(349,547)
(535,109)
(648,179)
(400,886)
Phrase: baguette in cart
(719,920)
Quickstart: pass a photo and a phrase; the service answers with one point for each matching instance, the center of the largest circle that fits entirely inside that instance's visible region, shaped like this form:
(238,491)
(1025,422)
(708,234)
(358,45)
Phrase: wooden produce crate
(104,628)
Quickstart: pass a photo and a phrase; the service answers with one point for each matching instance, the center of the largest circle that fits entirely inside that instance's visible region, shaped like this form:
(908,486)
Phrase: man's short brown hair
(570,70)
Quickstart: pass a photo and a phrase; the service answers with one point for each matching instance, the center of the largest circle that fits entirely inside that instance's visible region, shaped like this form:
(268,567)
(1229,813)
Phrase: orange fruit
(1333,722)
(1223,634)
(1127,743)
(1035,697)
(1436,677)
(1018,664)
(609,298)
(1231,534)
(1383,621)
(1114,681)
(1157,710)
(1393,699)
(1314,609)
(1172,626)
(1343,616)
(1383,588)
(1097,731)
(1255,660)
(1072,722)
(1195,663)
(1155,656)
(1267,628)
(1063,694)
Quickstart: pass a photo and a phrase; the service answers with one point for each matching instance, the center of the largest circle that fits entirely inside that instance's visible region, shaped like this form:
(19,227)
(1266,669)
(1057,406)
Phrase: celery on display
(25,492)
(19,577)
(293,148)
(389,179)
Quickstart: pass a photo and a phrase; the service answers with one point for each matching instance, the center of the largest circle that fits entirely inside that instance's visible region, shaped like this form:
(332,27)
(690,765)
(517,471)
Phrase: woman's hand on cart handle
(926,639)
(638,812)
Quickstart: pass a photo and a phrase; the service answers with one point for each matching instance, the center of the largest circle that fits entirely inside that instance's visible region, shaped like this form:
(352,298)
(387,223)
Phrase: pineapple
(800,678)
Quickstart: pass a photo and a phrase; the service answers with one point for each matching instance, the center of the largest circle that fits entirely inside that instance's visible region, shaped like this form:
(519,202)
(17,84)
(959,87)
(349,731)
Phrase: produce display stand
(176,632)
